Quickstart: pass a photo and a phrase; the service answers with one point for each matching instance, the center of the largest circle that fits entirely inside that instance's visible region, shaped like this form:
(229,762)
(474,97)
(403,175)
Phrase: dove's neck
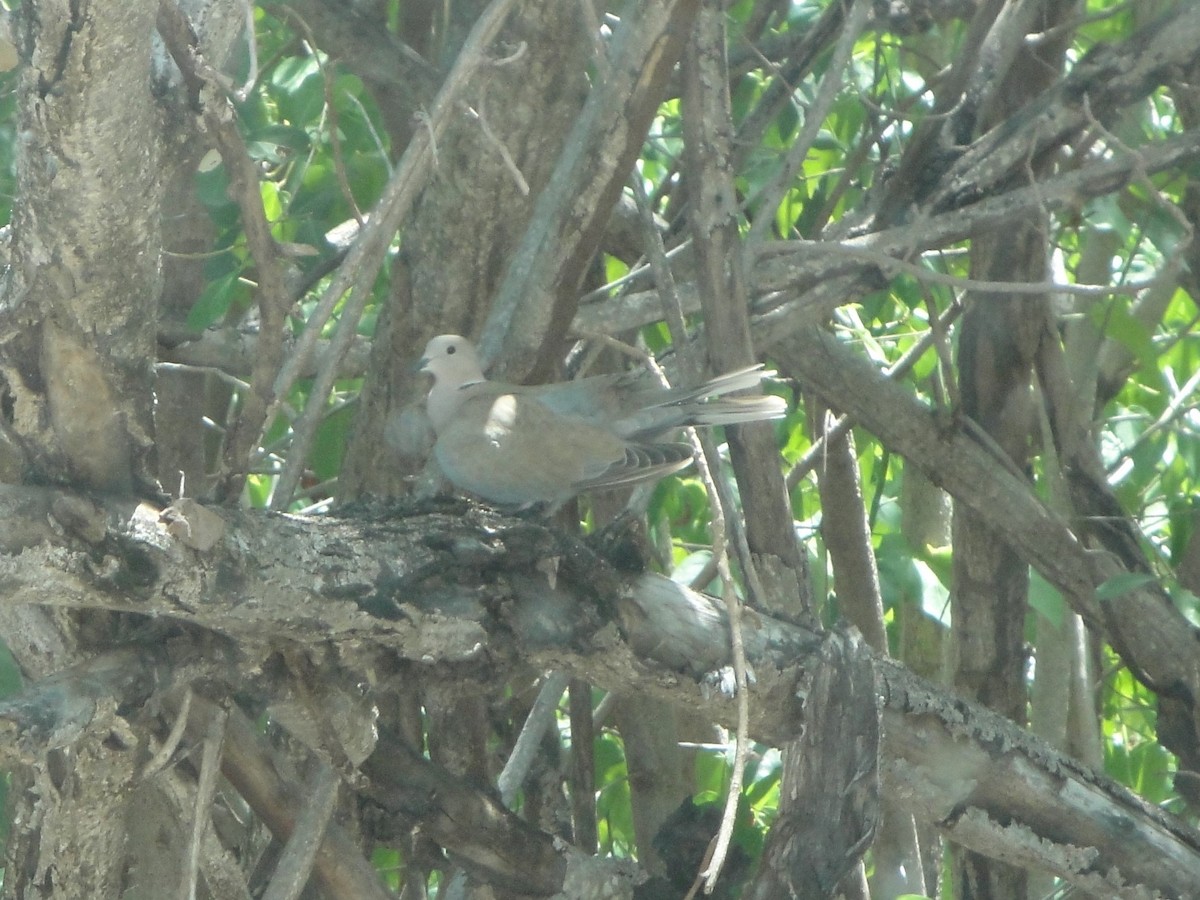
(444,401)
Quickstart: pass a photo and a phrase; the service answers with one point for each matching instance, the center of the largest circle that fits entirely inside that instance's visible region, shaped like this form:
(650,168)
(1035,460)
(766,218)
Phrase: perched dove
(516,445)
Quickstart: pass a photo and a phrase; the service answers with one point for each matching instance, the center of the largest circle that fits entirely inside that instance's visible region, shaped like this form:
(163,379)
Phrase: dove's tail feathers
(703,405)
(708,405)
(741,380)
(700,406)
(642,462)
(749,377)
(734,410)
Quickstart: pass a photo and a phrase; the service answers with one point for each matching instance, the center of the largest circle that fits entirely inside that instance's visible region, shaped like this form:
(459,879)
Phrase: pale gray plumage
(517,445)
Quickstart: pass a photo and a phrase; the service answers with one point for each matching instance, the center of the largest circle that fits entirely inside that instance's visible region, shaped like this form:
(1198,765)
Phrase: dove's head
(451,360)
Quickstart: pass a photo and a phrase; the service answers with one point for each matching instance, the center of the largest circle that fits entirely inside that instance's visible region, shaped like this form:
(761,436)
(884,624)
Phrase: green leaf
(1120,324)
(690,565)
(272,205)
(213,303)
(10,674)
(1046,599)
(329,443)
(711,775)
(258,490)
(905,579)
(1120,585)
(212,186)
(762,790)
(614,809)
(1186,602)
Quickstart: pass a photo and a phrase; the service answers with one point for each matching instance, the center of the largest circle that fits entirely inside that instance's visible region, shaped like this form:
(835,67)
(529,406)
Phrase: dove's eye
(451,350)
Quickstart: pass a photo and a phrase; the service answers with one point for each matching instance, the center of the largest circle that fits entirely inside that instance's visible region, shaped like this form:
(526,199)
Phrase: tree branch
(468,587)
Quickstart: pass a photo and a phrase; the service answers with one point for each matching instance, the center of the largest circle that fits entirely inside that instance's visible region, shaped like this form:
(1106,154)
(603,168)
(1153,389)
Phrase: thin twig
(888,263)
(842,423)
(379,145)
(525,749)
(733,609)
(296,862)
(494,139)
(206,789)
(772,194)
(587,13)
(656,256)
(328,82)
(638,271)
(704,450)
(162,756)
(273,297)
(1072,25)
(1141,174)
(1176,406)
(252,52)
(232,380)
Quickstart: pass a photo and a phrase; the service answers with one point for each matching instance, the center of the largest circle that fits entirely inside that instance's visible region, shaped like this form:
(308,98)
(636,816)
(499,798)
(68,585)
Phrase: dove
(520,445)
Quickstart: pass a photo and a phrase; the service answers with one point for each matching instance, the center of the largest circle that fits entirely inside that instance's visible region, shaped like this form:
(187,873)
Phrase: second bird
(518,445)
